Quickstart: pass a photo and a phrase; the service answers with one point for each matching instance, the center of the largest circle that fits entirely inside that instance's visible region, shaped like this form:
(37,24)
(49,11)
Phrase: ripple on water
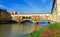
(22,35)
(43,23)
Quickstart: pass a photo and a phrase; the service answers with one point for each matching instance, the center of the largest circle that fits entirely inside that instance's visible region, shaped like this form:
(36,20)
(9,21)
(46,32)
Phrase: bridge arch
(27,20)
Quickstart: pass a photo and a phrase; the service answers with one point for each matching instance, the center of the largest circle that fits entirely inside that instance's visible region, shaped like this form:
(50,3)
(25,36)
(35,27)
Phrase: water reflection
(17,30)
(43,23)
(5,30)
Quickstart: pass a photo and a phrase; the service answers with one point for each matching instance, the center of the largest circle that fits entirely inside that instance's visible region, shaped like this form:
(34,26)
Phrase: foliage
(54,26)
(35,33)
(51,26)
(3,16)
(52,30)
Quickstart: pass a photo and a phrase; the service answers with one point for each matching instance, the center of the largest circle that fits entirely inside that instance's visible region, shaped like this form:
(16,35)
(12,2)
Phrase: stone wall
(58,10)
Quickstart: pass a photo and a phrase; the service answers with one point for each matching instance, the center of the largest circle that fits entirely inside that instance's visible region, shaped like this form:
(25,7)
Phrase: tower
(56,11)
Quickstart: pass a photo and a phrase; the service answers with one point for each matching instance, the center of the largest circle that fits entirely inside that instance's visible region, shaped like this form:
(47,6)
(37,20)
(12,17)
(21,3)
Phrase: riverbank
(52,30)
(7,22)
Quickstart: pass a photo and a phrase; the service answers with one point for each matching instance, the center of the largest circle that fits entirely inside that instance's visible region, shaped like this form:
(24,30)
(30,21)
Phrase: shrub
(52,29)
(35,33)
(53,26)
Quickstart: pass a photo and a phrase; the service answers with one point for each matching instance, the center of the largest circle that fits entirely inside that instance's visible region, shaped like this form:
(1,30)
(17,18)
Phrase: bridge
(53,16)
(31,17)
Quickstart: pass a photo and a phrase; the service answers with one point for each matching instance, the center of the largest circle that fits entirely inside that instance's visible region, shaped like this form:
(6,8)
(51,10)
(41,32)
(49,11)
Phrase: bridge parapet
(32,17)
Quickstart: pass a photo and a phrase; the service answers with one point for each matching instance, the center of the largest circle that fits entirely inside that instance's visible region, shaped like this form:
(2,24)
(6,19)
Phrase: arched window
(23,17)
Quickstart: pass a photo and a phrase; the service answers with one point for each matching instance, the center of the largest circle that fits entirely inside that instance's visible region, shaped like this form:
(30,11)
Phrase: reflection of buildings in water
(18,29)
(5,30)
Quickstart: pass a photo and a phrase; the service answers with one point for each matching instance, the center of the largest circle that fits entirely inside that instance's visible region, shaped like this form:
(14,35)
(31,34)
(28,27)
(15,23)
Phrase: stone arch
(26,20)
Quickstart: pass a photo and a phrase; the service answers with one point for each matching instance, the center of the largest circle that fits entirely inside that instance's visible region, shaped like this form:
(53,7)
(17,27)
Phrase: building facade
(4,15)
(56,11)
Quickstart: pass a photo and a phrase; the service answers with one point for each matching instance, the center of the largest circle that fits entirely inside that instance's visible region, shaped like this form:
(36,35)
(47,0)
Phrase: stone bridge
(31,17)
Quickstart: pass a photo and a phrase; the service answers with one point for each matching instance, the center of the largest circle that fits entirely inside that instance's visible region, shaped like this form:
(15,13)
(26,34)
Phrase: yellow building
(4,15)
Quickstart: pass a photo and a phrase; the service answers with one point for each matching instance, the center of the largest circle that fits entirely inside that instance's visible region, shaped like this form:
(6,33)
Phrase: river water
(17,30)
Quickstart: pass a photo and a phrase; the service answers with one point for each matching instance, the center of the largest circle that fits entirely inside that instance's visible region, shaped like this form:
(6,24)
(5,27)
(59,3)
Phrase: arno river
(17,30)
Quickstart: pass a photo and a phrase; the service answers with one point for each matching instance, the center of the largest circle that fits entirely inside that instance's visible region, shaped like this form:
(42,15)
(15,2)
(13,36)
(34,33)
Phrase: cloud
(48,8)
(44,0)
(2,6)
(30,2)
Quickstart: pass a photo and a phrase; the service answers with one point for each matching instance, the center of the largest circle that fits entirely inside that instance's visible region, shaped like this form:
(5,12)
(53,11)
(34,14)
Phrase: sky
(27,6)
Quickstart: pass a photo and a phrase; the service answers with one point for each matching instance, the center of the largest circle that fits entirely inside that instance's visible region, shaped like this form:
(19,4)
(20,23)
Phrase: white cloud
(2,6)
(44,0)
(29,2)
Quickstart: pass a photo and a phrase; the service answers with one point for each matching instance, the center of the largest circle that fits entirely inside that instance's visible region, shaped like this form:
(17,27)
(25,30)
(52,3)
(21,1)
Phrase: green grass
(35,33)
(55,26)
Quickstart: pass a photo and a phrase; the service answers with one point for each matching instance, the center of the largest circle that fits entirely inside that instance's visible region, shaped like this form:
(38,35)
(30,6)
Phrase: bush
(35,33)
(55,27)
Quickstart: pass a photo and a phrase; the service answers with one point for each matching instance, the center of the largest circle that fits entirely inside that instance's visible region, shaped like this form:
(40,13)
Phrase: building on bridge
(32,17)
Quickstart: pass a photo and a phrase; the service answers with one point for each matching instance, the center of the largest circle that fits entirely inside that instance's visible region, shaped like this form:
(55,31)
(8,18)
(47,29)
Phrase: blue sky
(27,6)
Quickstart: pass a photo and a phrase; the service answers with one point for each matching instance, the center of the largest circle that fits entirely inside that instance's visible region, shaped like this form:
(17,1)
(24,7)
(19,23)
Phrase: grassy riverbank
(51,30)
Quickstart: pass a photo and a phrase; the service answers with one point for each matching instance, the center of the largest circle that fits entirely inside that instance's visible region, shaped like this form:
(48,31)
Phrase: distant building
(13,13)
(4,15)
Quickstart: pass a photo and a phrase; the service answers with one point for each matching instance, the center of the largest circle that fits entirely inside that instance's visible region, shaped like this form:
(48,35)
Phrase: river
(17,30)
